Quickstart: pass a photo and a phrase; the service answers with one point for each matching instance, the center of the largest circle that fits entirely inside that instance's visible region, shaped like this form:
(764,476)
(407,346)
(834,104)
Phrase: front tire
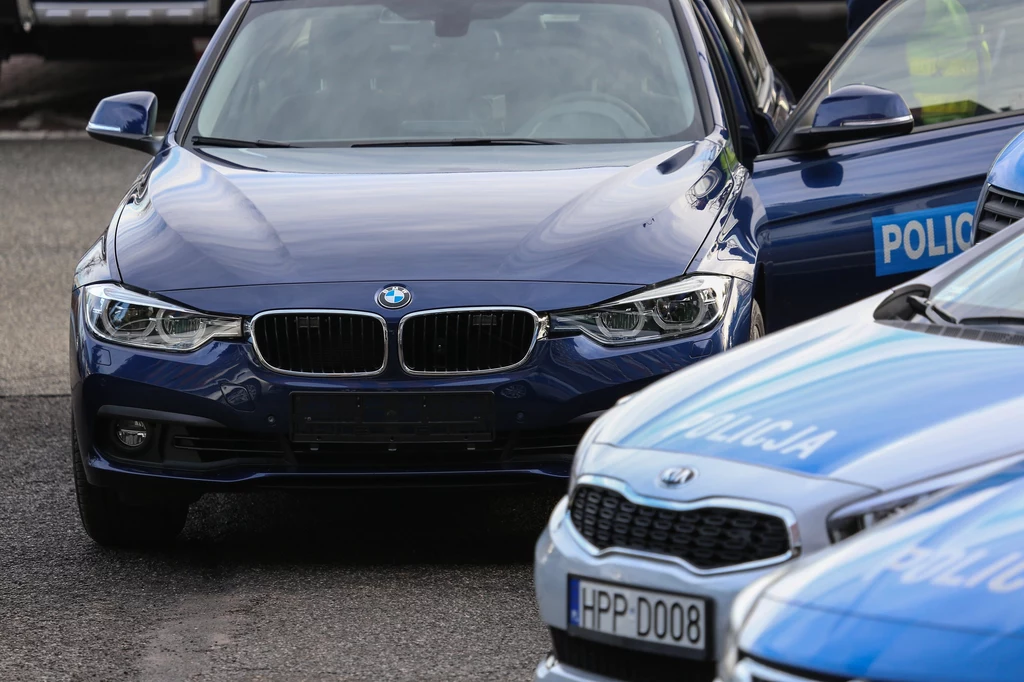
(756,321)
(111,522)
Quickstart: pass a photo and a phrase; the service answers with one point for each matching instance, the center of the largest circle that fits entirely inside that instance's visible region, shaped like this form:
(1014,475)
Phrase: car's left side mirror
(856,112)
(127,120)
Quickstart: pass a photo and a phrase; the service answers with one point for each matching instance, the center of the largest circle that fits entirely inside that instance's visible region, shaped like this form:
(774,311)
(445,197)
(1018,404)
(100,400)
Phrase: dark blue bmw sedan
(427,241)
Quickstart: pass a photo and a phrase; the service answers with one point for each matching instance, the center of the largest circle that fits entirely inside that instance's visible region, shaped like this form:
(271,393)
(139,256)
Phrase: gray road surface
(262,586)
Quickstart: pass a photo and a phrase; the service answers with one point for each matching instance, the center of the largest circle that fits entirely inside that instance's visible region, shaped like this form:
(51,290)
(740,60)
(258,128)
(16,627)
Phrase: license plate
(603,610)
(393,417)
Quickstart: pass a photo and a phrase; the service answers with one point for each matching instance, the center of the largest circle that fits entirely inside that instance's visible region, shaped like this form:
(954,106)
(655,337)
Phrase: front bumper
(222,420)
(559,554)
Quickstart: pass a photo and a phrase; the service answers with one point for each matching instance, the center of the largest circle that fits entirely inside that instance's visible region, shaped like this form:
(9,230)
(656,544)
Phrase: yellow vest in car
(948,62)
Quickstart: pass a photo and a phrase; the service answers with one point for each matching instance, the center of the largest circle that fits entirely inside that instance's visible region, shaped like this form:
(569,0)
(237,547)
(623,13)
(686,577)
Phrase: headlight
(864,514)
(687,306)
(126,317)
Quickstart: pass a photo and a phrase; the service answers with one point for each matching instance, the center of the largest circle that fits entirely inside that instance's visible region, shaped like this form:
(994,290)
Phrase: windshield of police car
(991,288)
(308,71)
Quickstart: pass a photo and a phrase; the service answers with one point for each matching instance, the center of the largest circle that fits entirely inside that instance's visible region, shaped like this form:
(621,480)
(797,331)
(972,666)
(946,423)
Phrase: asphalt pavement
(261,586)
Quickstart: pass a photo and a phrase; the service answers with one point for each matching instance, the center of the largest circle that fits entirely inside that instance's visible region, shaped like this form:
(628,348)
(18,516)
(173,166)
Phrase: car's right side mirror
(856,112)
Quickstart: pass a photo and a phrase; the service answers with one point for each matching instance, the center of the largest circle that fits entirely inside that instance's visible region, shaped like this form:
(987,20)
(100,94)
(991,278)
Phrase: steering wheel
(624,116)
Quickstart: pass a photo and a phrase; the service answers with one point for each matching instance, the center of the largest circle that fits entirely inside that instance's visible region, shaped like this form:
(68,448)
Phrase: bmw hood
(947,579)
(843,397)
(581,213)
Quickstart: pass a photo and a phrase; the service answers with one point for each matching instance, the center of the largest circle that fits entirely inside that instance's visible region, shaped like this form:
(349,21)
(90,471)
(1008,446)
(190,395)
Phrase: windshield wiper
(204,141)
(459,142)
(930,309)
(1008,320)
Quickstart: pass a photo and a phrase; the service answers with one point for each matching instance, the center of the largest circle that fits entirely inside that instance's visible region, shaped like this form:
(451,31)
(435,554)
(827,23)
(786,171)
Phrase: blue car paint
(1008,170)
(859,103)
(818,247)
(205,224)
(806,420)
(937,596)
(134,112)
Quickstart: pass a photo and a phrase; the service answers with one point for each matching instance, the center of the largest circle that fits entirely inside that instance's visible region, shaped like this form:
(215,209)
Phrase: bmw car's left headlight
(684,307)
(127,317)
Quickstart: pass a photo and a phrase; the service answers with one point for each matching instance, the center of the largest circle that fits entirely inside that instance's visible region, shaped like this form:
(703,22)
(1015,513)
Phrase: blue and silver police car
(936,596)
(427,241)
(708,480)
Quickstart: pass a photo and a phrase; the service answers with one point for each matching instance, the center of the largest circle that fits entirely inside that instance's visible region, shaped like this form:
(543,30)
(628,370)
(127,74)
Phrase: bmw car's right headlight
(687,306)
(127,317)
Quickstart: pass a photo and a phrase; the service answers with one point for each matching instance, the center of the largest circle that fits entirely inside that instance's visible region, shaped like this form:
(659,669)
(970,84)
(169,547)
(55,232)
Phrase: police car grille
(321,342)
(999,209)
(466,341)
(706,538)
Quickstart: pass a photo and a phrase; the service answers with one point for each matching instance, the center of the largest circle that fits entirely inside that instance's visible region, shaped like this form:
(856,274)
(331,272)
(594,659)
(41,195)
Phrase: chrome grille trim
(539,328)
(319,311)
(785,515)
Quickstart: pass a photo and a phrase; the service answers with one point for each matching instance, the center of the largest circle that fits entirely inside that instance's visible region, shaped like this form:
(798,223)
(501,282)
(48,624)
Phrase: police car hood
(843,397)
(604,213)
(938,594)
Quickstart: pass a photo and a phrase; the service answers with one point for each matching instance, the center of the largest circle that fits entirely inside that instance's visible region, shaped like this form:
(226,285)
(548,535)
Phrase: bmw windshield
(316,73)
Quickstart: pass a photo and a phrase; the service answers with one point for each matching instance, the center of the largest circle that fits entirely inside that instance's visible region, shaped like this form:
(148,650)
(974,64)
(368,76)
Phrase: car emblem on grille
(394,297)
(676,476)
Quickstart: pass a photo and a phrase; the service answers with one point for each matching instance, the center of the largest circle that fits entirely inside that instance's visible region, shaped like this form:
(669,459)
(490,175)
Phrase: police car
(708,480)
(936,596)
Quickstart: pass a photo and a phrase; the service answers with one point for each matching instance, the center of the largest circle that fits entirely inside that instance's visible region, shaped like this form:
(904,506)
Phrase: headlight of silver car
(133,319)
(684,307)
(863,514)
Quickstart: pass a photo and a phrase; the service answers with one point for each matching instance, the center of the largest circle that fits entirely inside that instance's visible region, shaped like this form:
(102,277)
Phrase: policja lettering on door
(920,240)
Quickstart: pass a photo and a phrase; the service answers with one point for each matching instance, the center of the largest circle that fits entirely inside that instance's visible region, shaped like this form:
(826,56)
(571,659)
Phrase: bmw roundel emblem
(676,476)
(394,297)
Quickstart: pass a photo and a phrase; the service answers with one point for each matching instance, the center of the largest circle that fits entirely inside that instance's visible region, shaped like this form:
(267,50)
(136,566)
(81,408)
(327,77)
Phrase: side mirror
(857,112)
(127,120)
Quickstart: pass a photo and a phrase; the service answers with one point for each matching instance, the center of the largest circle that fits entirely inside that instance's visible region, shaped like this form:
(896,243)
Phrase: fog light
(131,433)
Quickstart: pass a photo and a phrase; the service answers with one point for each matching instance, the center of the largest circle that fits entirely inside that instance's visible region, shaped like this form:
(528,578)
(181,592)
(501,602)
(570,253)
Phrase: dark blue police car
(428,241)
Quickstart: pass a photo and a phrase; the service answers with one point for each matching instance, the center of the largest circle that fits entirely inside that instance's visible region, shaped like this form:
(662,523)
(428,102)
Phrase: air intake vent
(321,343)
(628,665)
(706,538)
(999,209)
(466,341)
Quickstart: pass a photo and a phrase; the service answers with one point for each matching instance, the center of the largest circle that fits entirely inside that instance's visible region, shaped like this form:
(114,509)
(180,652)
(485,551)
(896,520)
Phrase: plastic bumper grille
(466,341)
(706,538)
(321,343)
(626,664)
(999,209)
